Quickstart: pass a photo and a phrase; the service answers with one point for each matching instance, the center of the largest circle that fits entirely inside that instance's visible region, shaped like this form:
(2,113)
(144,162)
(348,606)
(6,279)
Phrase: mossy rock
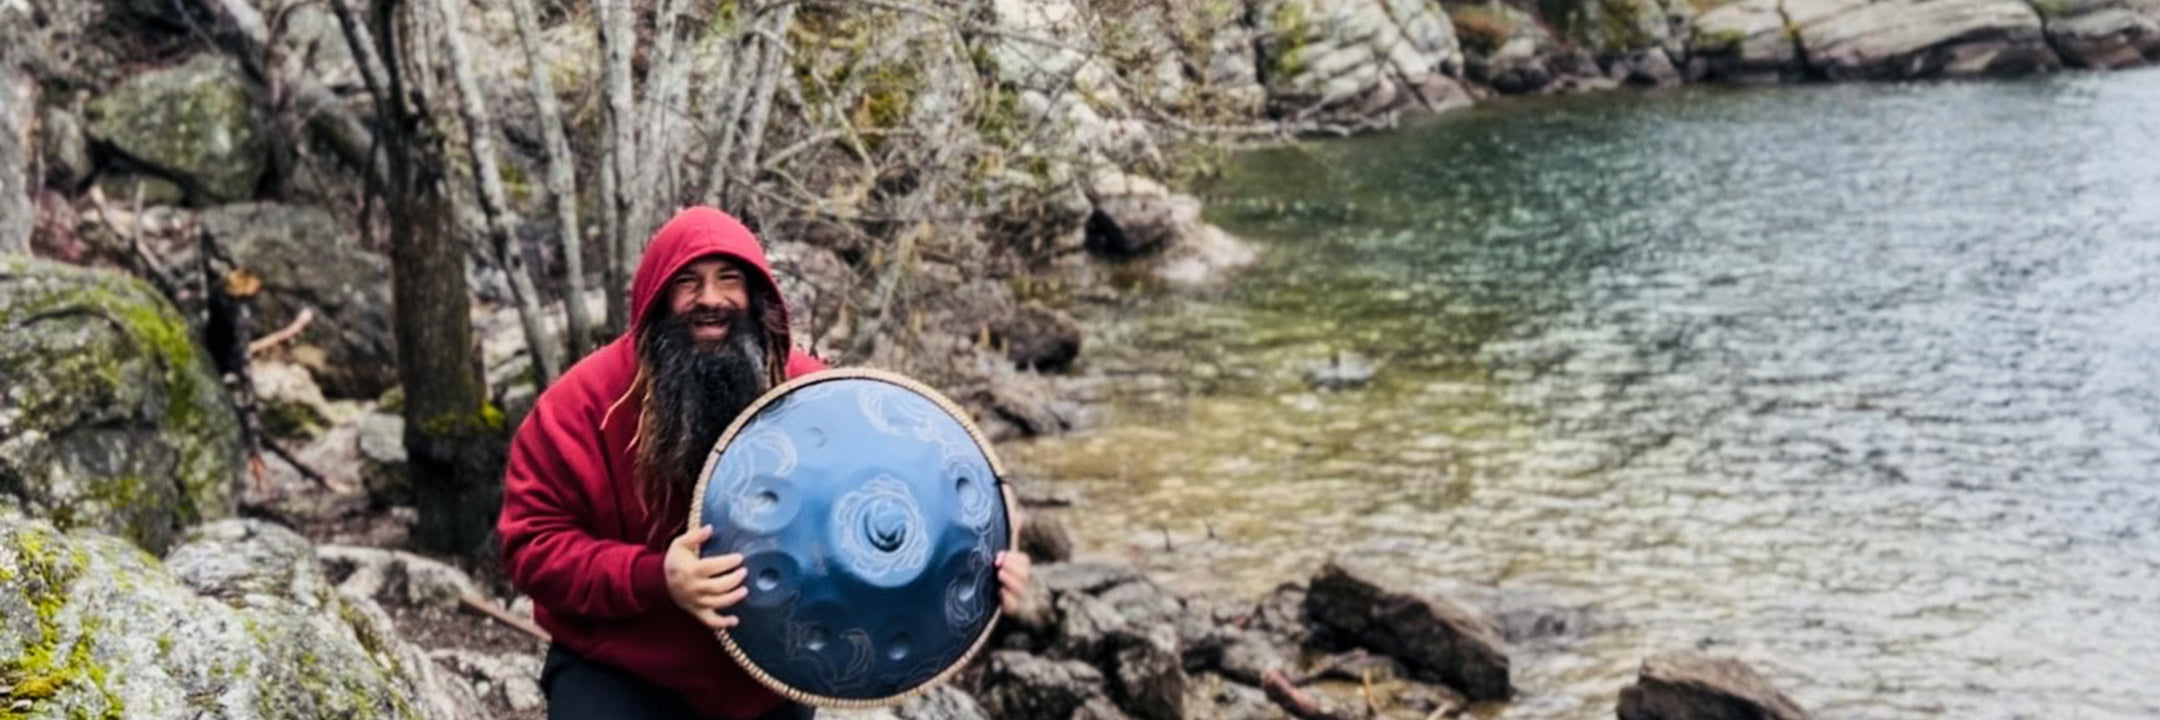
(195,121)
(239,623)
(112,418)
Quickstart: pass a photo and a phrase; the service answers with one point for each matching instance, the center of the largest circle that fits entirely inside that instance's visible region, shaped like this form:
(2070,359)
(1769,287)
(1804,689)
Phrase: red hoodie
(576,538)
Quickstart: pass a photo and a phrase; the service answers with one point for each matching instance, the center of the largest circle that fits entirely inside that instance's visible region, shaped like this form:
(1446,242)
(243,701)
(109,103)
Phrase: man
(598,488)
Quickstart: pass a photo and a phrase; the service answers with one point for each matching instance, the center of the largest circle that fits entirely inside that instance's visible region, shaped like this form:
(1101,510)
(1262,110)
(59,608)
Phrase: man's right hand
(704,586)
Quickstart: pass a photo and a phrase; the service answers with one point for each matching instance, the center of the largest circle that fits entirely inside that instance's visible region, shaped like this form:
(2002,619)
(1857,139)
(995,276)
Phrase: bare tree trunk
(761,95)
(724,98)
(561,180)
(611,272)
(18,209)
(502,219)
(617,35)
(663,129)
(454,439)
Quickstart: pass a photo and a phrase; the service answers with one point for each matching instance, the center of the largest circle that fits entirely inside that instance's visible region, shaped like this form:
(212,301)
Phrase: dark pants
(578,689)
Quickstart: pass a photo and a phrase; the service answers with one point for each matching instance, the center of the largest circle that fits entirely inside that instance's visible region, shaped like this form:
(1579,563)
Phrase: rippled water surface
(1858,383)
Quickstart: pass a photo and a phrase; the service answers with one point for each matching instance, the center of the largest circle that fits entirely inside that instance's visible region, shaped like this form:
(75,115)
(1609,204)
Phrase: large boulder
(1022,685)
(1433,634)
(111,419)
(307,259)
(1923,38)
(2103,34)
(237,623)
(194,121)
(1688,686)
(1351,59)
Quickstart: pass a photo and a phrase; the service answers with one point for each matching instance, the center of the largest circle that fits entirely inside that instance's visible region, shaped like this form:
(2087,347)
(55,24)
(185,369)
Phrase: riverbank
(939,204)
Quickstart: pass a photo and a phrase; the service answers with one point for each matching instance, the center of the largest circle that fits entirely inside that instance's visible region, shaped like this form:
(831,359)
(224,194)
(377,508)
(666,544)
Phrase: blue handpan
(869,513)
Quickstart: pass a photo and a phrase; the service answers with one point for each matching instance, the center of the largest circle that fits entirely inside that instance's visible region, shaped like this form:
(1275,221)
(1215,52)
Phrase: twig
(283,454)
(299,322)
(1291,699)
(500,615)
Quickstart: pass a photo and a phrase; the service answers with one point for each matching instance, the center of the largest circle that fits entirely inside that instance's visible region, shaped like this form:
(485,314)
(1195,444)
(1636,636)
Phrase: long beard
(695,390)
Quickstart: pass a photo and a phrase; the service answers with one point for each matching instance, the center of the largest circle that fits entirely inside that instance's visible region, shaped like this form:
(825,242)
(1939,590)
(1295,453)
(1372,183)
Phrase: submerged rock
(1341,371)
(238,624)
(111,417)
(1688,686)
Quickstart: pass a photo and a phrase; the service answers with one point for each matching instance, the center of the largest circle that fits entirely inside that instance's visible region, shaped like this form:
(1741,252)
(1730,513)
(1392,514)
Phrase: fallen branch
(1292,700)
(484,607)
(291,329)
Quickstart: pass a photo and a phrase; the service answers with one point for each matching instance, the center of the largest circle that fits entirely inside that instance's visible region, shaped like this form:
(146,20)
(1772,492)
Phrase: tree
(454,437)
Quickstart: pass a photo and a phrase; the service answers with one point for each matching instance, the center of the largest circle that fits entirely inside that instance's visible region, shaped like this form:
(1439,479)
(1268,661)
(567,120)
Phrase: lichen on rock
(112,419)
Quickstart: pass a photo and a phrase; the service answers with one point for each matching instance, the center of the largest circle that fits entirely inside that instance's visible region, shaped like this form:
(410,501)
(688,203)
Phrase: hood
(694,233)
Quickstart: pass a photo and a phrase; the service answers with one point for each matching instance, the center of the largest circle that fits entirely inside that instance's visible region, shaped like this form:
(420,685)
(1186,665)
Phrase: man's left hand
(1012,578)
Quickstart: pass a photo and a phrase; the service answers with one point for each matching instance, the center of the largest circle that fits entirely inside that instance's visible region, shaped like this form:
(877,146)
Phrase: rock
(66,149)
(945,702)
(94,627)
(1150,675)
(1044,538)
(1926,38)
(1341,371)
(1688,686)
(194,121)
(510,678)
(1349,61)
(290,403)
(1647,67)
(121,185)
(306,259)
(1021,404)
(1134,215)
(1038,338)
(397,577)
(1022,685)
(1084,577)
(1246,655)
(111,418)
(1519,66)
(1745,41)
(2104,34)
(1434,635)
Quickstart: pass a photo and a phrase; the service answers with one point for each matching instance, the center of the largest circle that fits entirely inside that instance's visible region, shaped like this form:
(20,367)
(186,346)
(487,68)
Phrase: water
(1858,383)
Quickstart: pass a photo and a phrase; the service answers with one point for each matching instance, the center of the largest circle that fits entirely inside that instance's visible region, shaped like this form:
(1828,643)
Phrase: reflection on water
(1858,383)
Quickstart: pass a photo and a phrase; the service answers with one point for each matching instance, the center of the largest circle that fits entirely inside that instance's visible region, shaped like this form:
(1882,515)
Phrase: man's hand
(705,586)
(1012,578)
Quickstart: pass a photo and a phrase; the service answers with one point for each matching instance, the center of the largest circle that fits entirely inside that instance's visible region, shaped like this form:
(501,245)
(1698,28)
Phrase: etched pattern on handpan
(882,535)
(767,452)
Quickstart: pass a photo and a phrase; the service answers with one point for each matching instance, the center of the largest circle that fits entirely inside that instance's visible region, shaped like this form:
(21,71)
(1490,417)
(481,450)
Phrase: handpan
(869,513)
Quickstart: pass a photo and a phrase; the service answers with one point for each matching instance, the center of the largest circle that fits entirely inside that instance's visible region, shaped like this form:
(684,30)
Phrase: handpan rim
(1005,495)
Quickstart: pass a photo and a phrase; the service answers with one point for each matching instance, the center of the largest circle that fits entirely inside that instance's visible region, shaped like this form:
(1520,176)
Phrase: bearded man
(597,493)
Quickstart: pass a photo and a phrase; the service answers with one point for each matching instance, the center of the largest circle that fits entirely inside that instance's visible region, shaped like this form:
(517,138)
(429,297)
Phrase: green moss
(1618,29)
(487,419)
(1291,26)
(42,672)
(2050,9)
(1719,41)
